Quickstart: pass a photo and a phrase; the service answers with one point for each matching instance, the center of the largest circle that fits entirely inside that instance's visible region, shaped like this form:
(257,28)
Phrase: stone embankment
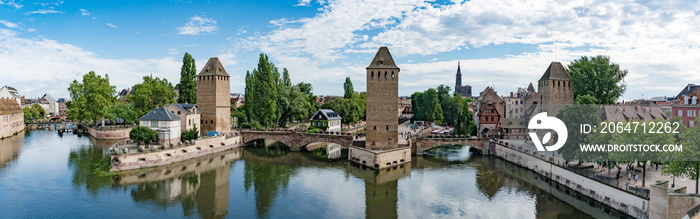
(109,133)
(613,197)
(137,160)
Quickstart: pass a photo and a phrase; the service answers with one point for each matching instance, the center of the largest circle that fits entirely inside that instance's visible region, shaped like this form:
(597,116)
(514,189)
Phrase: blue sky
(44,45)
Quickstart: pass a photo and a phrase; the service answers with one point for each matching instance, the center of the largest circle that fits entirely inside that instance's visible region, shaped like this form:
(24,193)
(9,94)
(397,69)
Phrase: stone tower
(555,89)
(382,97)
(213,94)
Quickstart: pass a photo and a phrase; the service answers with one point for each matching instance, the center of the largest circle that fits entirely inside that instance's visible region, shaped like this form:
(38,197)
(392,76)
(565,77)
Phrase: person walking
(629,175)
(635,179)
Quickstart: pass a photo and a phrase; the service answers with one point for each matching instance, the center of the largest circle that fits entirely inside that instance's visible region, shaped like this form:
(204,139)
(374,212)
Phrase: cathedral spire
(459,77)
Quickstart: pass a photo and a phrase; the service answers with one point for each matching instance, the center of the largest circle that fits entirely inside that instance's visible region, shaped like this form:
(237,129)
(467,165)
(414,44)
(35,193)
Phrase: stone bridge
(419,145)
(297,140)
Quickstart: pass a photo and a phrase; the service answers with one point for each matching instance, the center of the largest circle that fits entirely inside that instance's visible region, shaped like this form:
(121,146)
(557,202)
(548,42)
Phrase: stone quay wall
(666,203)
(608,195)
(121,133)
(380,159)
(201,147)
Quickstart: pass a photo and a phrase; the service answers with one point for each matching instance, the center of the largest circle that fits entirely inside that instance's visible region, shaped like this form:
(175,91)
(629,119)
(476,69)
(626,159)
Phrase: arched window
(392,74)
(385,74)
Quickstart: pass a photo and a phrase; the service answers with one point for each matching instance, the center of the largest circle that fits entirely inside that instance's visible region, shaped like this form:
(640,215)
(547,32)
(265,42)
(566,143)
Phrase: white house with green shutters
(326,119)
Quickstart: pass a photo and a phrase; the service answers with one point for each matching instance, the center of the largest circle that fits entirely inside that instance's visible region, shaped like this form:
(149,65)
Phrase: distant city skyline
(46,45)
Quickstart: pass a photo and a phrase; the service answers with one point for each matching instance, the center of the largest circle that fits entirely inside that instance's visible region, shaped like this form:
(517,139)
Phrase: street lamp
(673,184)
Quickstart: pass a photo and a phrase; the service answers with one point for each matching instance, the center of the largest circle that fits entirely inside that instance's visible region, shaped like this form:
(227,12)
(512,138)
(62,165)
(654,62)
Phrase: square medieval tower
(382,96)
(213,94)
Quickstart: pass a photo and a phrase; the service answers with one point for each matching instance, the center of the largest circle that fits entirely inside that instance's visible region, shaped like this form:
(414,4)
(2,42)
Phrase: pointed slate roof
(556,71)
(160,114)
(459,71)
(383,59)
(530,88)
(213,67)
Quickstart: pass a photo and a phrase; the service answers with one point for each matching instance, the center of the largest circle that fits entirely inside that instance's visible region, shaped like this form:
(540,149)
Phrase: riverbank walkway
(609,176)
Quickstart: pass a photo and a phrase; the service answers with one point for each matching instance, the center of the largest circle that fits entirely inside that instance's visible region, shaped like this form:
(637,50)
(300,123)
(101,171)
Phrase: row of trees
(271,99)
(352,106)
(94,99)
(436,104)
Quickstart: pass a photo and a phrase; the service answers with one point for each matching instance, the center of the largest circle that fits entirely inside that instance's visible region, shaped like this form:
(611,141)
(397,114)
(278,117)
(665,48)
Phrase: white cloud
(12,3)
(49,10)
(198,26)
(62,63)
(655,41)
(31,30)
(172,51)
(303,3)
(8,24)
(111,25)
(84,12)
(44,4)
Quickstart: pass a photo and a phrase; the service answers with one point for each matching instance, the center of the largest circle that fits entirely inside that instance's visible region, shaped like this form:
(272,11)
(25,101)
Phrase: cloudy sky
(44,45)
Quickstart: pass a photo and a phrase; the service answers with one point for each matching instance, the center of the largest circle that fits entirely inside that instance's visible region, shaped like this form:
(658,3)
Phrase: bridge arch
(420,145)
(296,140)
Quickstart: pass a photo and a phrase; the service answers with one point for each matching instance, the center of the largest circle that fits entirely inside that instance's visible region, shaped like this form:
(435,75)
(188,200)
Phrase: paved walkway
(652,175)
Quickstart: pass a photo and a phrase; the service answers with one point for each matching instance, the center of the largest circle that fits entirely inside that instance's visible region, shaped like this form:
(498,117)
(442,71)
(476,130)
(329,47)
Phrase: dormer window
(381,61)
(695,100)
(685,100)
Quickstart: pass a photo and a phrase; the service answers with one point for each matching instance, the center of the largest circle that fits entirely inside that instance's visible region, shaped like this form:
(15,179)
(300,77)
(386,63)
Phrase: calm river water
(43,175)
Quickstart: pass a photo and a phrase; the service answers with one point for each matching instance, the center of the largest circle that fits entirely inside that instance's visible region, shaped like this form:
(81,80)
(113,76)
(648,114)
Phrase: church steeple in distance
(459,77)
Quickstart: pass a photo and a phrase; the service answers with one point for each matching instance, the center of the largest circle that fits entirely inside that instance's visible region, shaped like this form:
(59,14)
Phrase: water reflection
(9,148)
(272,182)
(200,184)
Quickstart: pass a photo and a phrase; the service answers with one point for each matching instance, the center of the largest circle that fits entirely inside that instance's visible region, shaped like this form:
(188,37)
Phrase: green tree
(27,114)
(347,109)
(685,163)
(190,134)
(123,111)
(443,92)
(293,105)
(152,92)
(642,138)
(574,116)
(188,81)
(286,81)
(141,133)
(38,111)
(598,77)
(265,93)
(426,106)
(348,88)
(307,90)
(90,97)
(585,99)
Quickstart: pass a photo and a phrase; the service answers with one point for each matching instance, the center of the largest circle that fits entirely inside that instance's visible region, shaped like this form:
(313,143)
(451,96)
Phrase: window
(387,127)
(154,123)
(375,127)
(384,74)
(680,112)
(392,74)
(691,113)
(163,124)
(691,123)
(211,121)
(372,74)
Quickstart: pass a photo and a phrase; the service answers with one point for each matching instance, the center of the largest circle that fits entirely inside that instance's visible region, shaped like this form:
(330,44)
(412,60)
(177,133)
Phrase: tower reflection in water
(202,185)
